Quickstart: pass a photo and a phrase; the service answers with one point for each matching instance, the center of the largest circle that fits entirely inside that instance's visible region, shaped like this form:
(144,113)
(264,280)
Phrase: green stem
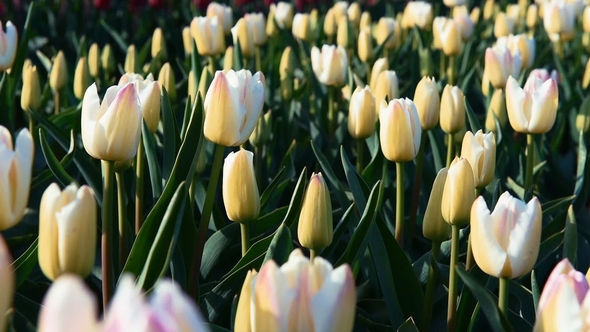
(452,304)
(359,155)
(312,255)
(139,171)
(258,165)
(211,67)
(107,232)
(31,124)
(530,160)
(442,68)
(258,61)
(332,112)
(399,205)
(417,184)
(121,214)
(245,238)
(368,68)
(56,101)
(430,289)
(504,294)
(450,145)
(452,71)
(205,218)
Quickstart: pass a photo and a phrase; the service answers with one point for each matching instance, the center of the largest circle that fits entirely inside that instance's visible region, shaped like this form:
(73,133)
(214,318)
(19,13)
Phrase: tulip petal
(7,286)
(172,306)
(91,110)
(316,61)
(487,252)
(253,102)
(516,106)
(333,306)
(223,112)
(544,107)
(562,311)
(525,239)
(271,300)
(48,232)
(22,167)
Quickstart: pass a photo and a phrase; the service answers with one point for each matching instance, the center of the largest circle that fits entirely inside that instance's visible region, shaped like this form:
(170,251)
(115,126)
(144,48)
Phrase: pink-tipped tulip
(330,65)
(6,284)
(532,110)
(480,151)
(8,45)
(500,64)
(148,91)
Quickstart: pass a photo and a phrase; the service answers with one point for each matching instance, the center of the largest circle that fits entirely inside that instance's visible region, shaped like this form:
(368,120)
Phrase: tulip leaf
(353,181)
(25,263)
(408,326)
(296,201)
(54,165)
(268,192)
(535,289)
(473,122)
(330,175)
(171,136)
(161,250)
(43,179)
(487,301)
(215,328)
(115,35)
(467,309)
(581,167)
(348,217)
(281,246)
(436,150)
(570,237)
(149,144)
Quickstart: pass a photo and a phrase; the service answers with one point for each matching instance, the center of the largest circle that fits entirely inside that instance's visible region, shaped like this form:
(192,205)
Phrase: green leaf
(271,187)
(581,167)
(281,246)
(330,175)
(171,135)
(408,326)
(473,122)
(296,201)
(25,263)
(149,145)
(115,35)
(535,289)
(54,165)
(570,237)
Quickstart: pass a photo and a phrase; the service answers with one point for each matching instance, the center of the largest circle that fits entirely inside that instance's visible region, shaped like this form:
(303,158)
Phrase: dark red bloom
(202,4)
(157,4)
(102,4)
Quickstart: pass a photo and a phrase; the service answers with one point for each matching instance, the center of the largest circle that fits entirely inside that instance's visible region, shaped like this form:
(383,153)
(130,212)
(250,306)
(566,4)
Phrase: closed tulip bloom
(286,72)
(298,296)
(223,13)
(496,110)
(131,65)
(454,3)
(380,65)
(208,35)
(271,25)
(523,44)
(417,13)
(480,151)
(366,21)
(16,164)
(7,284)
(8,45)
(107,59)
(315,229)
(388,31)
(559,17)
(330,23)
(506,242)
(458,193)
(81,78)
(354,14)
(30,97)
(148,91)
(427,101)
(187,40)
(167,80)
(586,19)
(228,58)
(500,63)
(532,16)
(451,38)
(58,78)
(365,45)
(67,231)
(283,14)
(400,130)
(344,34)
(159,44)
(475,15)
(301,27)
(503,26)
(434,227)
(452,109)
(242,33)
(258,24)
(465,25)
(94,60)
(263,130)
(564,302)
(361,113)
(386,86)
(111,129)
(240,192)
(532,110)
(233,105)
(330,65)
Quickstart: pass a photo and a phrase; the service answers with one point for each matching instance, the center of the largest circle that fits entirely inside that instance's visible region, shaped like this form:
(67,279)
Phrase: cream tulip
(500,63)
(233,105)
(400,131)
(8,45)
(283,14)
(427,101)
(559,18)
(167,80)
(131,65)
(81,78)
(532,110)
(365,45)
(388,31)
(522,44)
(452,109)
(208,35)
(94,60)
(506,241)
(111,129)
(381,64)
(434,226)
(148,91)
(30,97)
(459,193)
(504,25)
(330,65)
(240,191)
(386,86)
(107,59)
(361,113)
(223,13)
(159,44)
(480,151)
(67,231)
(58,77)
(243,34)
(301,28)
(7,284)
(315,229)
(258,24)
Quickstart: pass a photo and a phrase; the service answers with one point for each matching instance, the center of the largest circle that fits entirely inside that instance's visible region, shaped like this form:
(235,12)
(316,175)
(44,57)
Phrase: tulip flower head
(400,131)
(94,60)
(361,113)
(16,165)
(58,77)
(208,35)
(559,19)
(233,105)
(301,28)
(258,23)
(500,63)
(434,226)
(452,109)
(298,296)
(148,91)
(532,110)
(240,191)
(504,25)
(111,129)
(448,36)
(427,101)
(30,97)
(386,87)
(458,193)
(81,78)
(506,241)
(8,45)
(283,12)
(388,31)
(315,229)
(223,13)
(7,284)
(522,43)
(417,13)
(330,65)
(480,151)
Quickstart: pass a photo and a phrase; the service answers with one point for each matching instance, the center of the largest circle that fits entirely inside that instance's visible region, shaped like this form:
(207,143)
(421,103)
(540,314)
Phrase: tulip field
(255,165)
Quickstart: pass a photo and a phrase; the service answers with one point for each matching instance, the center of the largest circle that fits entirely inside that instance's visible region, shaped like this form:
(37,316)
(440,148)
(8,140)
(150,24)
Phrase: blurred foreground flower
(8,45)
(111,129)
(233,105)
(298,296)
(67,231)
(6,284)
(70,306)
(330,65)
(532,110)
(283,14)
(223,13)
(16,163)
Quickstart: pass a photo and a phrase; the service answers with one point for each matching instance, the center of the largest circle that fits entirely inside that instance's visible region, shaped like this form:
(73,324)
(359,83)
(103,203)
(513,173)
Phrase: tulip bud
(271,25)
(366,21)
(496,110)
(532,16)
(131,64)
(159,44)
(388,31)
(361,113)
(465,25)
(243,322)
(452,109)
(330,65)
(313,23)
(458,193)
(58,78)
(365,45)
(94,60)
(148,91)
(30,97)
(344,33)
(315,228)
(475,14)
(208,35)
(286,69)
(586,75)
(240,192)
(223,13)
(81,78)
(166,79)
(354,14)
(417,13)
(257,22)
(532,110)
(434,227)
(107,60)
(506,242)
(504,25)
(451,38)
(233,105)
(488,9)
(583,117)
(8,46)
(401,132)
(187,41)
(67,231)
(17,164)
(228,59)
(386,86)
(261,133)
(242,33)
(559,18)
(283,14)
(380,65)
(7,284)
(427,101)
(111,129)
(500,63)
(301,27)
(480,151)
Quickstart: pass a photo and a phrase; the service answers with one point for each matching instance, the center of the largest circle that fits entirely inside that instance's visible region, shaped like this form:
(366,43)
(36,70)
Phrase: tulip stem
(312,255)
(121,214)
(211,66)
(107,231)
(359,155)
(452,303)
(31,124)
(139,171)
(450,145)
(430,288)
(245,238)
(530,160)
(257,59)
(368,67)
(417,184)
(452,71)
(205,218)
(399,205)
(332,112)
(56,101)
(503,295)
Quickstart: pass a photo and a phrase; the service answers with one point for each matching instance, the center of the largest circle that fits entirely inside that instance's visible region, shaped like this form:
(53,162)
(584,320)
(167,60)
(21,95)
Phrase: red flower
(157,4)
(102,4)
